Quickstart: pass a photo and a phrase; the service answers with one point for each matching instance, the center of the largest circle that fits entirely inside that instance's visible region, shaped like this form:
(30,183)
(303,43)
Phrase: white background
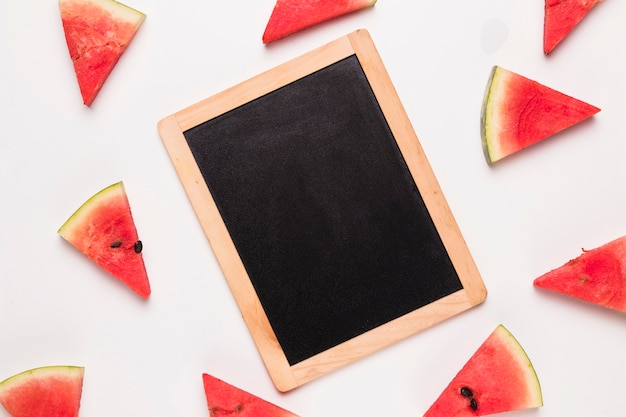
(521,217)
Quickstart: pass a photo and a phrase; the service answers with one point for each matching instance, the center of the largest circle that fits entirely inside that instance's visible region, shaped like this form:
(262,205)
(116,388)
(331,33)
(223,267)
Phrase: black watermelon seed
(138,246)
(116,244)
(466,392)
(473,404)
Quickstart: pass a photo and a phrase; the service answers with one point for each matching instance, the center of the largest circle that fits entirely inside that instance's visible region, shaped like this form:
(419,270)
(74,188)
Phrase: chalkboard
(322,210)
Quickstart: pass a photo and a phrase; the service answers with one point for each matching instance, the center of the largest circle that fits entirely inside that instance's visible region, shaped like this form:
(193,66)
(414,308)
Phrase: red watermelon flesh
(103,229)
(291,16)
(499,377)
(518,112)
(224,399)
(51,391)
(560,18)
(597,275)
(97,32)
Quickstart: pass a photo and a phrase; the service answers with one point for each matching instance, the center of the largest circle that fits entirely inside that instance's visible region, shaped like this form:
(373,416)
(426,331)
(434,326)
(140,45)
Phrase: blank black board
(323,213)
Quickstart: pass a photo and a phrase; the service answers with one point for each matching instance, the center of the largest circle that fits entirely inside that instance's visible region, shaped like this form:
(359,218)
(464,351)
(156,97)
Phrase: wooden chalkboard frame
(284,375)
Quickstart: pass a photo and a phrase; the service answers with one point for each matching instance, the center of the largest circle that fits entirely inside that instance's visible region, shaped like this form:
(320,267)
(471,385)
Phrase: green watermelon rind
(84,211)
(489,115)
(42,372)
(117,9)
(536,397)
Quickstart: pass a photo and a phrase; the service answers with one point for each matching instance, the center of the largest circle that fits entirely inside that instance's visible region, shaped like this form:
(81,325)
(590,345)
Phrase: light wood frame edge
(284,376)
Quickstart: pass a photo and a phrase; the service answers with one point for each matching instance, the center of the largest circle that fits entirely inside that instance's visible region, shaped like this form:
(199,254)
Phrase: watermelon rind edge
(484,122)
(115,7)
(74,218)
(138,15)
(531,374)
(51,369)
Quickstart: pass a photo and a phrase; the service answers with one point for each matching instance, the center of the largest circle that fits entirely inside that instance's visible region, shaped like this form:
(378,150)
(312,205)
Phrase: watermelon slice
(97,33)
(224,399)
(291,16)
(560,18)
(518,112)
(103,229)
(499,377)
(597,276)
(50,391)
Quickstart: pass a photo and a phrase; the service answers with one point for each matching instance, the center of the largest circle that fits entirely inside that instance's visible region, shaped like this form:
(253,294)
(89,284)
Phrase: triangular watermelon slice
(518,112)
(291,16)
(499,377)
(224,399)
(597,275)
(560,18)
(50,391)
(103,229)
(97,33)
